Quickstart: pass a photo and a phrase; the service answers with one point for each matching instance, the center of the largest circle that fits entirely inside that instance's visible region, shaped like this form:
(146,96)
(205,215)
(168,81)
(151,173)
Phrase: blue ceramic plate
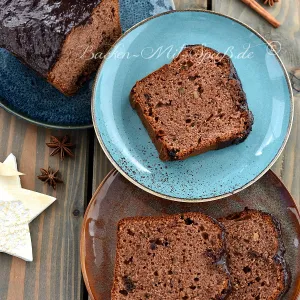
(26,95)
(214,174)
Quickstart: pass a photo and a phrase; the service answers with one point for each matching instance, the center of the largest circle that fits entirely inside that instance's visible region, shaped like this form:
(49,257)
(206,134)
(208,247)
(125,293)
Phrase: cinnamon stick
(265,14)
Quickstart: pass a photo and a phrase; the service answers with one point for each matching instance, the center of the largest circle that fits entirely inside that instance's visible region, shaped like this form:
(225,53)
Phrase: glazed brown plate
(117,198)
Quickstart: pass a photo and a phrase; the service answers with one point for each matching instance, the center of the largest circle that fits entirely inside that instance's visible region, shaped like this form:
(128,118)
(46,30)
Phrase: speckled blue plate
(215,174)
(25,94)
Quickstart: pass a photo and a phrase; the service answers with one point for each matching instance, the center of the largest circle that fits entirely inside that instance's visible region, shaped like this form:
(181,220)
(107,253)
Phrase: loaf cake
(170,257)
(255,256)
(60,39)
(193,105)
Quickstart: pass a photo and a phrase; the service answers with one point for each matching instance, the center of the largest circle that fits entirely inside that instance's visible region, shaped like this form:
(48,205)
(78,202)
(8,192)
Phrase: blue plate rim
(42,124)
(178,199)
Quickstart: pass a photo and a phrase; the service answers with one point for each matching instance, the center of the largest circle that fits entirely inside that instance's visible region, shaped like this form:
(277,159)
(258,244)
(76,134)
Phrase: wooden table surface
(55,272)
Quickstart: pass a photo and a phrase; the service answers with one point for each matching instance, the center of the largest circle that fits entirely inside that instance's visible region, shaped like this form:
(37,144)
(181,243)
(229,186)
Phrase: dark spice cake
(255,256)
(170,257)
(57,38)
(193,105)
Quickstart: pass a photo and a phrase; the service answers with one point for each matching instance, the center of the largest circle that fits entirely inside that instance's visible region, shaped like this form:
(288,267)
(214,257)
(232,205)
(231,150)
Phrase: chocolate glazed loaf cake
(255,256)
(170,257)
(193,105)
(57,38)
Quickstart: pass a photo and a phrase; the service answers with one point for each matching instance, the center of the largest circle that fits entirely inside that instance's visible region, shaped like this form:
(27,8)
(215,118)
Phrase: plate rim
(114,172)
(82,232)
(42,124)
(194,200)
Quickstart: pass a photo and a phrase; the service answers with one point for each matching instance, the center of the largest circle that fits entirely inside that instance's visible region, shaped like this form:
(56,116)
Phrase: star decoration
(61,147)
(18,207)
(7,169)
(50,177)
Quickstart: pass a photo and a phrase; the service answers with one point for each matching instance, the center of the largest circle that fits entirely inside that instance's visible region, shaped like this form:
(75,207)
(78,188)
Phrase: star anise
(61,146)
(50,177)
(270,2)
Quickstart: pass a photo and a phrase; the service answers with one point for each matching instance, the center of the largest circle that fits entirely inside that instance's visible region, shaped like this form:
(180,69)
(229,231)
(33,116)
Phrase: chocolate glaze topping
(34,30)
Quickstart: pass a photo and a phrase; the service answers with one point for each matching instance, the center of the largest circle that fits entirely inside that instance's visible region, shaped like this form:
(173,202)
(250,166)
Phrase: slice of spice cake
(170,257)
(193,105)
(255,256)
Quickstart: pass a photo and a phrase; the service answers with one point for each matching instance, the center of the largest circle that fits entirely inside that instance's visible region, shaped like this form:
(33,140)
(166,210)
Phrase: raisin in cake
(57,38)
(193,105)
(170,257)
(255,256)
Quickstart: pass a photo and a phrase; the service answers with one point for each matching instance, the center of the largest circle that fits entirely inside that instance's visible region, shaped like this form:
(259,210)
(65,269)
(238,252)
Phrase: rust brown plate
(117,198)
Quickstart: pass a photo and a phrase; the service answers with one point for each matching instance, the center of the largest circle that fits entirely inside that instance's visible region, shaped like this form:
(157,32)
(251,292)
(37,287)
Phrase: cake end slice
(255,256)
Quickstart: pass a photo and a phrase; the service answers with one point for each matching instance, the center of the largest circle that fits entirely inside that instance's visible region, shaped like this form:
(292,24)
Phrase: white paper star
(9,167)
(18,207)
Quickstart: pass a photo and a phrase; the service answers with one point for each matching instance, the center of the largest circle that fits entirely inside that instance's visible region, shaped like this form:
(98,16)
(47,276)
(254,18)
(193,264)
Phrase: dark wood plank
(102,165)
(55,272)
(288,34)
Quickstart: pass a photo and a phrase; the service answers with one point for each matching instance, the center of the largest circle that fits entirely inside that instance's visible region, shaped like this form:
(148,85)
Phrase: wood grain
(102,165)
(55,272)
(190,4)
(288,34)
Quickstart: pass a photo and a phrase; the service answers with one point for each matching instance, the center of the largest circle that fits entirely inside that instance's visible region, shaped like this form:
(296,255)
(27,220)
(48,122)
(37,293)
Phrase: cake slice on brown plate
(60,39)
(193,105)
(170,257)
(255,256)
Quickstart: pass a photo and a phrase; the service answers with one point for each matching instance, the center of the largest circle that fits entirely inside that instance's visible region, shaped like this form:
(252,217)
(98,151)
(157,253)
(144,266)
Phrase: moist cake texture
(255,256)
(193,105)
(57,38)
(170,257)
